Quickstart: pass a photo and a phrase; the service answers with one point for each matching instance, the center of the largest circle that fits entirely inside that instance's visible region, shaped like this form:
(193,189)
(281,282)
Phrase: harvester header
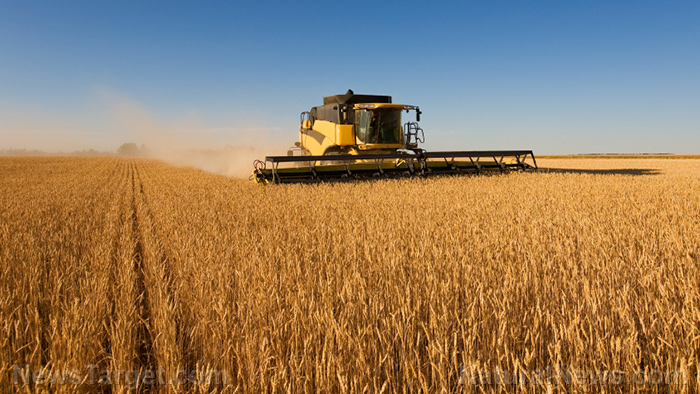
(354,136)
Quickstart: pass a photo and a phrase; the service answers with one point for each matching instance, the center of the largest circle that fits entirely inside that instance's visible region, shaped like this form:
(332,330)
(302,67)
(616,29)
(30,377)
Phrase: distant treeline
(623,154)
(34,152)
(127,149)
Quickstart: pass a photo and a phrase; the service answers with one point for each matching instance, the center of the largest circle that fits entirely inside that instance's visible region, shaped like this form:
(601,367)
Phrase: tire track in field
(144,335)
(155,262)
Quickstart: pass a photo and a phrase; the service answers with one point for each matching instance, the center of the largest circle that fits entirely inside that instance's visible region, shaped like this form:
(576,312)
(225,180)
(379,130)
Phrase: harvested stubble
(387,286)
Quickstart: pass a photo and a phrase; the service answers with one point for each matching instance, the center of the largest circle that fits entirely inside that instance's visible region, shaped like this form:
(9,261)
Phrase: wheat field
(129,275)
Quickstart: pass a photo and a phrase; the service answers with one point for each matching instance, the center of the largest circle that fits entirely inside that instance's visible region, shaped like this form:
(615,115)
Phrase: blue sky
(557,77)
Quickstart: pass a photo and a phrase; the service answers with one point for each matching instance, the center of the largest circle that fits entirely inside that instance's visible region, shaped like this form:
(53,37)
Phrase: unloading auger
(352,137)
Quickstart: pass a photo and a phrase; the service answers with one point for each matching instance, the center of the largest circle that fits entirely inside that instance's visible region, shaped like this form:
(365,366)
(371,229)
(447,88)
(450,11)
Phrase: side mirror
(418,115)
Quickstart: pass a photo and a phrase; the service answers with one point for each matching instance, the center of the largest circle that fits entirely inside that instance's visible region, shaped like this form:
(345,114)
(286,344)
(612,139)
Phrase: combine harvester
(353,136)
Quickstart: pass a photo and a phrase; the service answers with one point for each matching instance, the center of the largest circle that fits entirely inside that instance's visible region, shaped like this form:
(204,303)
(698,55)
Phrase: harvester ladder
(413,134)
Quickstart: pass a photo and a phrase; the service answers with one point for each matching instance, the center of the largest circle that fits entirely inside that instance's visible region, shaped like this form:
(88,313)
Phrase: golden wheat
(578,280)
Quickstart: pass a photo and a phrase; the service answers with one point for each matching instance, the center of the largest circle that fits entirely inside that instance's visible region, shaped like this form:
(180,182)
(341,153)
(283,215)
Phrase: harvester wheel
(333,151)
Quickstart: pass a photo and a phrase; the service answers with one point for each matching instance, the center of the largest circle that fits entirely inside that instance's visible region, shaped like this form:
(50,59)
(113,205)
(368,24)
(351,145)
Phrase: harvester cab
(355,136)
(354,124)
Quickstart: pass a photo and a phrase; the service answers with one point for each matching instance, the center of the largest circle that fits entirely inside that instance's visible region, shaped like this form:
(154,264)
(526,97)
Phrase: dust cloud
(232,161)
(110,119)
(189,142)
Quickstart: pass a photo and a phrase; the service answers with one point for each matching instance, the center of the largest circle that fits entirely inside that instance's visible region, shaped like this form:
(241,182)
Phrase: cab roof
(351,98)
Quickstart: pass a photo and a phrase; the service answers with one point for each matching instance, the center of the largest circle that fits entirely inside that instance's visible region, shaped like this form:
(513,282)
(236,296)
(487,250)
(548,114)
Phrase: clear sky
(557,76)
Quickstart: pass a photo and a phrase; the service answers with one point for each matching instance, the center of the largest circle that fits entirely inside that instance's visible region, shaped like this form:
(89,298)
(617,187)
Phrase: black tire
(334,151)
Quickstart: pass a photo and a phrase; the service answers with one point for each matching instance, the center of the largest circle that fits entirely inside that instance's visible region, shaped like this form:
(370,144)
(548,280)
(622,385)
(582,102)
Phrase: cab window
(379,126)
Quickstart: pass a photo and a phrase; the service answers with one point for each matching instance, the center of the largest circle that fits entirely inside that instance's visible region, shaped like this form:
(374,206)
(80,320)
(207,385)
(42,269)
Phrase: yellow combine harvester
(354,136)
